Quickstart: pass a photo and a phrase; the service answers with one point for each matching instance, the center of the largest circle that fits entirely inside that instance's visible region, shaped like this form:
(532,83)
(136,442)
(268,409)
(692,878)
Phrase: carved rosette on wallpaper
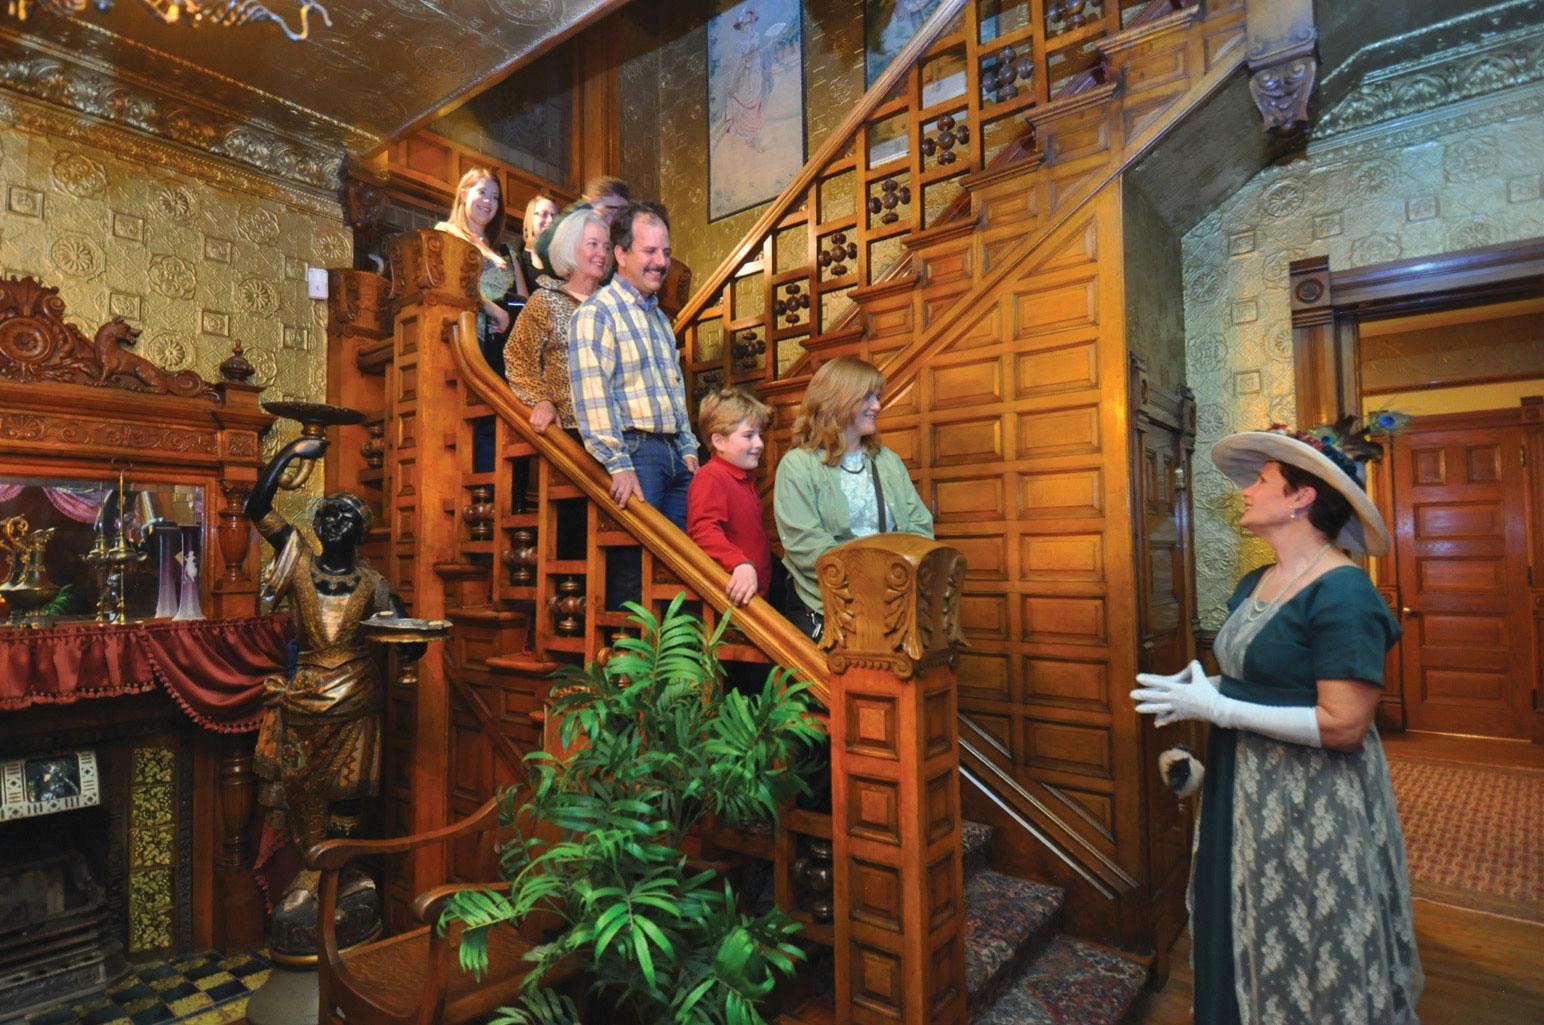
(1430,183)
(193,252)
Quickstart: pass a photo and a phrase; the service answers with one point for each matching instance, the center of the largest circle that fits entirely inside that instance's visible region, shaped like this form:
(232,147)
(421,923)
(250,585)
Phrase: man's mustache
(651,269)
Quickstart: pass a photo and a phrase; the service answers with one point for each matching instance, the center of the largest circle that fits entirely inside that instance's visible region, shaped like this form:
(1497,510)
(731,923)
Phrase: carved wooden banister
(763,625)
(892,639)
(837,143)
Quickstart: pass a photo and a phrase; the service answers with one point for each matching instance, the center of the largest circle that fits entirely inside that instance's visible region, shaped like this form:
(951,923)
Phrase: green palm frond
(656,744)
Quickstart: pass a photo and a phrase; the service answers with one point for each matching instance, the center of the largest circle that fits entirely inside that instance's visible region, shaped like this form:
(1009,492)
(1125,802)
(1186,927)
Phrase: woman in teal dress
(1299,894)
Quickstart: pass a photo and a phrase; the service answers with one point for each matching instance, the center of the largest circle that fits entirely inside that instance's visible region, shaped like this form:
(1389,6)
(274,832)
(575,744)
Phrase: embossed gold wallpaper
(1430,178)
(665,95)
(195,251)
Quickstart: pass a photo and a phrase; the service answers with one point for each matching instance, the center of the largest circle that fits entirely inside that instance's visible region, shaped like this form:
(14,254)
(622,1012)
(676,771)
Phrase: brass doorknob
(1408,611)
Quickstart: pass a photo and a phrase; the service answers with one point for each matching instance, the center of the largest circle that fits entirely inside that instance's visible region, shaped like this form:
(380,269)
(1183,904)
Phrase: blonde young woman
(839,482)
(477,216)
(540,212)
(1299,893)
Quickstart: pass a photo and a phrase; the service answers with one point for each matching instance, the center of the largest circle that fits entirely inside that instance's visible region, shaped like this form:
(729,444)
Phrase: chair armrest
(334,854)
(428,905)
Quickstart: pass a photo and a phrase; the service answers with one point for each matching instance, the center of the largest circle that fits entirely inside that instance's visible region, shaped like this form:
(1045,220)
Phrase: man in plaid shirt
(629,396)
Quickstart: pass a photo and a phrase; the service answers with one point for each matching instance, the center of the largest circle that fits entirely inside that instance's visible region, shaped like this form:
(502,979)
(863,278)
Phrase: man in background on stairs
(629,394)
(604,194)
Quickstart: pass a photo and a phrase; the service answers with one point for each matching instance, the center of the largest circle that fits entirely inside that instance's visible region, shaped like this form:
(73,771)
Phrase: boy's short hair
(721,412)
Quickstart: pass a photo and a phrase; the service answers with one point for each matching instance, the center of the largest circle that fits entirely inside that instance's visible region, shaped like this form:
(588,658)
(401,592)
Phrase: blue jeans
(663,475)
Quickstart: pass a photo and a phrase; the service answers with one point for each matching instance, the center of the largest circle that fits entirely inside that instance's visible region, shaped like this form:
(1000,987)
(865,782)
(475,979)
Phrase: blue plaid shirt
(625,373)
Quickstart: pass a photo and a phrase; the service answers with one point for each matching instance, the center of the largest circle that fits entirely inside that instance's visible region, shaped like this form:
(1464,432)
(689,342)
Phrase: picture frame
(755,103)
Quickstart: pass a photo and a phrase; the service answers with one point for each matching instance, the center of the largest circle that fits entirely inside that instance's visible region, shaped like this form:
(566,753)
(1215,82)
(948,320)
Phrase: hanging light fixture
(223,13)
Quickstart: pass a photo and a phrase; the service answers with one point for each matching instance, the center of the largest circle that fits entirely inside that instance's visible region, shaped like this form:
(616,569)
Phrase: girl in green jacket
(838,482)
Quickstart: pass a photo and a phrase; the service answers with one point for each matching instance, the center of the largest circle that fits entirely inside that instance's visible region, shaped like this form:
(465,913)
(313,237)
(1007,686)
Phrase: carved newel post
(892,635)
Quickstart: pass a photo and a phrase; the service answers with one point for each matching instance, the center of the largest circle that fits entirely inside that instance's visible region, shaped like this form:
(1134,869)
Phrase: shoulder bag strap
(879,493)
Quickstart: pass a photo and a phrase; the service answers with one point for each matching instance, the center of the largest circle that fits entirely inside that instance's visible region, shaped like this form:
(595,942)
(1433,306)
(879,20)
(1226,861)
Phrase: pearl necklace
(1257,608)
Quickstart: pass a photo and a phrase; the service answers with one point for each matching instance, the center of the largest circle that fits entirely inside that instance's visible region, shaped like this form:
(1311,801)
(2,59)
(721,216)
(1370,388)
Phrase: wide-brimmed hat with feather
(1337,454)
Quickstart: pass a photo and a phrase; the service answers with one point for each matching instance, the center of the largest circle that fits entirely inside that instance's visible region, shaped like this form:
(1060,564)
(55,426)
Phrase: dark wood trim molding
(1327,306)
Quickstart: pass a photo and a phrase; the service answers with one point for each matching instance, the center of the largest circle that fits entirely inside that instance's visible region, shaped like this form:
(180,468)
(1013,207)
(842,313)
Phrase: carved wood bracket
(892,602)
(1283,63)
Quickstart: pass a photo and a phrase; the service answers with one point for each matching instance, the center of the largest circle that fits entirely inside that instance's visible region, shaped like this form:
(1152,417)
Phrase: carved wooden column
(359,349)
(1283,63)
(892,635)
(434,279)
(241,904)
(1328,382)
(232,561)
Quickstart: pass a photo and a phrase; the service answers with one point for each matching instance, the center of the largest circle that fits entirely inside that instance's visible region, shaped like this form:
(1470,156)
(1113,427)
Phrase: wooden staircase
(993,289)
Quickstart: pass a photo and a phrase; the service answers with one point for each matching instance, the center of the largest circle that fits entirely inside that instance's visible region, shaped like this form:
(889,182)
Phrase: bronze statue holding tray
(319,743)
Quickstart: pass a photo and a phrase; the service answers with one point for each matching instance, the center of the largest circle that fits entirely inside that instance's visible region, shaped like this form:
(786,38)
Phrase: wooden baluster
(892,632)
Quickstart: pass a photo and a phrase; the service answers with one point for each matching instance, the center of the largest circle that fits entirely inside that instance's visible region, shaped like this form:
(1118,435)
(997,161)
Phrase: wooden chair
(412,978)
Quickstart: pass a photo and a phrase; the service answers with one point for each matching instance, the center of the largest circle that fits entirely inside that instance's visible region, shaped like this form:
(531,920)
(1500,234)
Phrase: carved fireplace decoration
(161,861)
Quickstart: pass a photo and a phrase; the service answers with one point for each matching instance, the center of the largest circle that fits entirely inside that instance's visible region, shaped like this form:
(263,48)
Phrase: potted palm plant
(655,746)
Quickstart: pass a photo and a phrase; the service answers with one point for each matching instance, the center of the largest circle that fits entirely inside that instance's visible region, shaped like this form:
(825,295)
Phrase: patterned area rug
(202,989)
(1474,834)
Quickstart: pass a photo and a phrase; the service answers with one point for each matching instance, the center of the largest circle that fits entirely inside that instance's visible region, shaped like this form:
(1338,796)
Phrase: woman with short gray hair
(536,356)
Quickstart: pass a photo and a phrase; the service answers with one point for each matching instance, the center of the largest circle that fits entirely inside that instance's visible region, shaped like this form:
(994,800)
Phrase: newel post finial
(892,602)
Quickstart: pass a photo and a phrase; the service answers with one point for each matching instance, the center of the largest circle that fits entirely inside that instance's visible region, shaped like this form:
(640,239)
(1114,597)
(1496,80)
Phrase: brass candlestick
(112,561)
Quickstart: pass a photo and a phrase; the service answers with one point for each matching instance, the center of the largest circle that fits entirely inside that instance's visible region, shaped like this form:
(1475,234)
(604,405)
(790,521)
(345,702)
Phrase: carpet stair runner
(1019,968)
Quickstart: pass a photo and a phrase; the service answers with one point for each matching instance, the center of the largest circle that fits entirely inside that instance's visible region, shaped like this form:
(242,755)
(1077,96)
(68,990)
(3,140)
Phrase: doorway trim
(1328,307)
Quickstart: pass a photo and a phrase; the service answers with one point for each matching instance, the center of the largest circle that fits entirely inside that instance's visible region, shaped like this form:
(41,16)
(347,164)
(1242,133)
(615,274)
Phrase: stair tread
(974,837)
(1003,915)
(1070,981)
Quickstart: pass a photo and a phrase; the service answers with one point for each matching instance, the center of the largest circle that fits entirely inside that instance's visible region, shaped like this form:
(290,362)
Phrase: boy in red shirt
(723,511)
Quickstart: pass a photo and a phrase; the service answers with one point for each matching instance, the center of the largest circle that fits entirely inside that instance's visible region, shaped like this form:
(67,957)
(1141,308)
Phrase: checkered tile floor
(201,989)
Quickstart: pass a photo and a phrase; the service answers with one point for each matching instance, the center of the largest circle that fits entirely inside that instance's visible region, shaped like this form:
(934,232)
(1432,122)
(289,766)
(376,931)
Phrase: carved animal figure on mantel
(38,344)
(118,366)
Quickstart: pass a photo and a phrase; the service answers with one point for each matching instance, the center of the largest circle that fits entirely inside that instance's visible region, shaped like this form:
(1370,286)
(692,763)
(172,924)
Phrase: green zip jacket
(813,518)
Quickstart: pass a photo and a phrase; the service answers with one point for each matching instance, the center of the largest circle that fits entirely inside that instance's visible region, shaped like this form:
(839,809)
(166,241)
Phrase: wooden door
(1460,530)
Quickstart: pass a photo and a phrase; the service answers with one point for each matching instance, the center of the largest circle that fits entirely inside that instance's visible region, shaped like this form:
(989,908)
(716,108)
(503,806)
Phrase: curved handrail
(784,643)
(829,150)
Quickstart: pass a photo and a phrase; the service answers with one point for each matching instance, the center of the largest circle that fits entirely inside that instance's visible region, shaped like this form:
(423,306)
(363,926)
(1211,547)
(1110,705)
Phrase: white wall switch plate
(316,282)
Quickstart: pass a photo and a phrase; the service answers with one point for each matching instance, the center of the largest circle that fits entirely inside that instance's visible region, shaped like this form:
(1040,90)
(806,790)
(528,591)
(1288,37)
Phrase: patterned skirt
(1300,897)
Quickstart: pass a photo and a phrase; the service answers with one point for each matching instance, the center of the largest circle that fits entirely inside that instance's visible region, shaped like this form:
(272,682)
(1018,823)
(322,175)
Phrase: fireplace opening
(59,932)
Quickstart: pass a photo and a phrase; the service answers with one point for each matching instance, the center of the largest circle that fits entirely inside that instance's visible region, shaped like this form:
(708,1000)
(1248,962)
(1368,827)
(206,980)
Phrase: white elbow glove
(1191,694)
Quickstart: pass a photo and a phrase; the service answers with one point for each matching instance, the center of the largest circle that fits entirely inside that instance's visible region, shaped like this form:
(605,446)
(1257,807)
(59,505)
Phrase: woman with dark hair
(1299,893)
(838,482)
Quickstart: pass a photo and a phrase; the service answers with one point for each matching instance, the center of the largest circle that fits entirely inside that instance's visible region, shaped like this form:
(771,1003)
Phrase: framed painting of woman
(755,103)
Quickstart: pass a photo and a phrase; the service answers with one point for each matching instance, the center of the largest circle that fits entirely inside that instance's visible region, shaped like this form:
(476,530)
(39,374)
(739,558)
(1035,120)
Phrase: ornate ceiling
(248,93)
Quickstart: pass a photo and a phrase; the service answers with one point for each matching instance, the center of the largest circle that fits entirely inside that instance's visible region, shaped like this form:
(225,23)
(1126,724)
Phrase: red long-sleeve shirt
(723,515)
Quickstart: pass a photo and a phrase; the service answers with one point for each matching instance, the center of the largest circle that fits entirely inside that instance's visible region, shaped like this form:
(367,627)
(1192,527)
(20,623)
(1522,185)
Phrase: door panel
(1461,550)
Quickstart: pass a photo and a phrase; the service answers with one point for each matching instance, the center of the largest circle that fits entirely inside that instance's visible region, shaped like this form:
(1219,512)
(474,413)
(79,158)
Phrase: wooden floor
(1481,969)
